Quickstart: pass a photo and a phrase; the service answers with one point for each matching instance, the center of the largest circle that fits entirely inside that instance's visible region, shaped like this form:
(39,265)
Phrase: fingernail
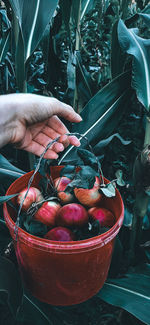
(79,117)
(61,147)
(77,143)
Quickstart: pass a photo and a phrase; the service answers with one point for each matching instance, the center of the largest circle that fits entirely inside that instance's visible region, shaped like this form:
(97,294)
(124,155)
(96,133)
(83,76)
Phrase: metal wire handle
(38,166)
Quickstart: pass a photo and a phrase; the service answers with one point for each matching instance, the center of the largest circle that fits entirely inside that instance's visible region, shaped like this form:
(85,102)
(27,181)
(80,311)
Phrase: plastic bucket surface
(63,273)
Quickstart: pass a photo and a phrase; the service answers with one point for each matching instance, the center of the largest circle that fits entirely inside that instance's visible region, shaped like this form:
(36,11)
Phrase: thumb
(65,111)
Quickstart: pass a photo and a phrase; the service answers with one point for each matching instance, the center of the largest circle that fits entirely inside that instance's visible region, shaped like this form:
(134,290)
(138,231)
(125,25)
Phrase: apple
(72,214)
(60,234)
(104,216)
(34,195)
(47,213)
(60,184)
(89,197)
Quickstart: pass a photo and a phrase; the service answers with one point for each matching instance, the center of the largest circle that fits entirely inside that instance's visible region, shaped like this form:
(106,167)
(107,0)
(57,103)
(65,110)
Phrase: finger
(64,139)
(48,131)
(74,141)
(38,149)
(56,124)
(64,110)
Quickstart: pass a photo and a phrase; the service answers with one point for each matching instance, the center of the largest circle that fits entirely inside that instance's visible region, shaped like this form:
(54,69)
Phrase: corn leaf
(85,6)
(133,289)
(102,113)
(7,169)
(146,18)
(32,311)
(6,198)
(117,56)
(33,17)
(139,48)
(10,286)
(4,46)
(8,174)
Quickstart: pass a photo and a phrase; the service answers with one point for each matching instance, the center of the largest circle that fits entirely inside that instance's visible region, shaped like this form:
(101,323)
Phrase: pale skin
(30,122)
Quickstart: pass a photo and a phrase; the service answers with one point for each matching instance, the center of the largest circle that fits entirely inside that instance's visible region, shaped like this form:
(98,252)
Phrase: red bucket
(63,273)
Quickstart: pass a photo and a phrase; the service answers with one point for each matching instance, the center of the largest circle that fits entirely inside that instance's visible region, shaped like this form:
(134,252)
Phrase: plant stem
(77,47)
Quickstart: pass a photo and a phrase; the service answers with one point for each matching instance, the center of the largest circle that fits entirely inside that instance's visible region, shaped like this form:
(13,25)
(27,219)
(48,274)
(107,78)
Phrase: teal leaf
(127,221)
(139,48)
(7,170)
(88,158)
(11,291)
(6,198)
(35,228)
(118,57)
(33,25)
(31,311)
(146,18)
(131,292)
(68,171)
(108,190)
(103,143)
(4,46)
(85,178)
(84,80)
(86,5)
(76,11)
(102,113)
(119,175)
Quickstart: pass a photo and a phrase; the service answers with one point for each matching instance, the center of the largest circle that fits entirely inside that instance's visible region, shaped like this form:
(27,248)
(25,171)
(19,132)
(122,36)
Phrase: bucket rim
(36,241)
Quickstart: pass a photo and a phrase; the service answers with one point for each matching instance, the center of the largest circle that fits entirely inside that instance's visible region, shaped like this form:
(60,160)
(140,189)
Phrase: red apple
(60,234)
(47,213)
(89,197)
(61,184)
(34,195)
(104,216)
(72,214)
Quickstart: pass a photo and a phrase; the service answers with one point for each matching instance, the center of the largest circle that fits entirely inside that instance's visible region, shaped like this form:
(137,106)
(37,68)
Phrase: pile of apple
(70,212)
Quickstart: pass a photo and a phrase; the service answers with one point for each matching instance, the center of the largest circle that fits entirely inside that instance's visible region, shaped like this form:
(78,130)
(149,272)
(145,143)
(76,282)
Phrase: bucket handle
(38,166)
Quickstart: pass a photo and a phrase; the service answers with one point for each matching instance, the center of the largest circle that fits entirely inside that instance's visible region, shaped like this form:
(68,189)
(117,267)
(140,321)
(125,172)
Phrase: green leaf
(109,190)
(65,7)
(8,172)
(85,178)
(76,11)
(119,175)
(71,71)
(31,311)
(130,292)
(10,286)
(88,158)
(84,78)
(117,56)
(146,18)
(33,25)
(20,63)
(102,113)
(35,228)
(131,20)
(139,48)
(103,143)
(68,171)
(6,198)
(4,46)
(85,6)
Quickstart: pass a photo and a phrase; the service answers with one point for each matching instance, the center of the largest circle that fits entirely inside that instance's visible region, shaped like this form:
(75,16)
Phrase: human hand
(31,121)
